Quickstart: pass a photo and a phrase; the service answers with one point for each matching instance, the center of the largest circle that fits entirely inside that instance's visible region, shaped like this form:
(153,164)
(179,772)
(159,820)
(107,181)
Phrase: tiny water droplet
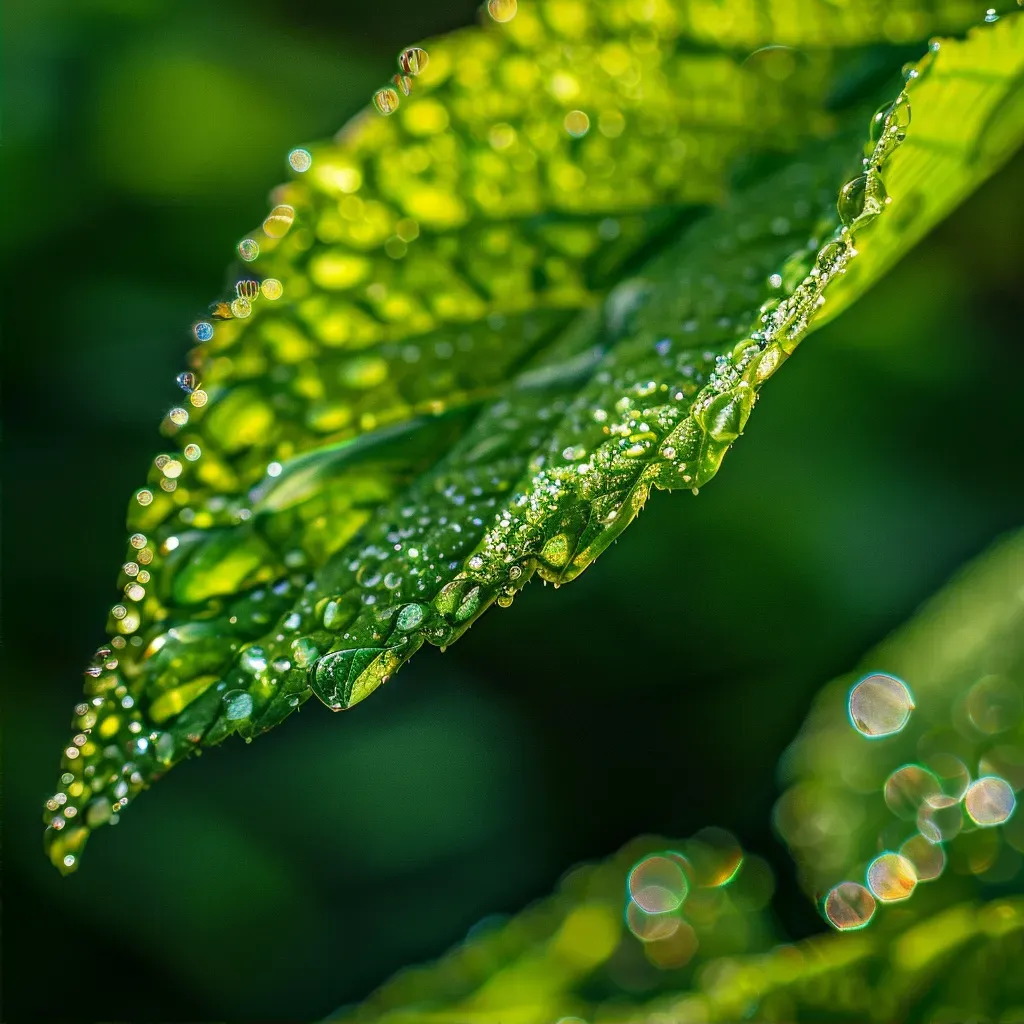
(991,16)
(403,83)
(386,100)
(203,331)
(237,705)
(186,381)
(272,288)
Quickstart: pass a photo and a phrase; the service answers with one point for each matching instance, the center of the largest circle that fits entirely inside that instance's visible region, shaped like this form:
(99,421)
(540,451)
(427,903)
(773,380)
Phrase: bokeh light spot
(657,885)
(849,906)
(990,801)
(891,877)
(880,705)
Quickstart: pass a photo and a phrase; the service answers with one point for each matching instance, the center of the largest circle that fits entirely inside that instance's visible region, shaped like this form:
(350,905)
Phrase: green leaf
(487,326)
(963,659)
(942,954)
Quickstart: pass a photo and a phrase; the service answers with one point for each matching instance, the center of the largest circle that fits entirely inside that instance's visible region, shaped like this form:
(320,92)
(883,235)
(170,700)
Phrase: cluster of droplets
(412,62)
(939,798)
(662,887)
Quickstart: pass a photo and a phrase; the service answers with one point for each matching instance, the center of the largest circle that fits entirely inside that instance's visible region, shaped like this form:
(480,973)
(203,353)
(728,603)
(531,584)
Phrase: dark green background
(654,694)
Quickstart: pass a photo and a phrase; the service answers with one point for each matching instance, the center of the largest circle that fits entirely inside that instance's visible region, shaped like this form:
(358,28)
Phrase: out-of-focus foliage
(432,380)
(699,939)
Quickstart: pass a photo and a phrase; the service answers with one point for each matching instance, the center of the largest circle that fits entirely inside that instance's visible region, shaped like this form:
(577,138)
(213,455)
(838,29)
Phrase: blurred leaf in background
(815,545)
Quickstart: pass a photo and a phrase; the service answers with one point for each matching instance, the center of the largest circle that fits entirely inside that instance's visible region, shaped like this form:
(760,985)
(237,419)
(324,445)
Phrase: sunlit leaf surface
(471,337)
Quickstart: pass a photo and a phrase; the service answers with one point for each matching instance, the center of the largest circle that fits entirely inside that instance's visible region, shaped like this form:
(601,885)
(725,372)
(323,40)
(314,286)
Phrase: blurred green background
(278,881)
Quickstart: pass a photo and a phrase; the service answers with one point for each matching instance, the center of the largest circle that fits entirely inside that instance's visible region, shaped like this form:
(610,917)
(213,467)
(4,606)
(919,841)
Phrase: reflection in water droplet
(880,705)
(403,83)
(657,885)
(187,382)
(300,160)
(849,906)
(908,788)
(409,617)
(940,818)
(990,801)
(386,100)
(929,859)
(891,877)
(862,199)
(502,10)
(203,331)
(247,288)
(413,60)
(237,705)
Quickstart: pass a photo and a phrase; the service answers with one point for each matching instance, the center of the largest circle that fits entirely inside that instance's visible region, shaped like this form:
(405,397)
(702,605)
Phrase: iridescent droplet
(203,331)
(186,381)
(248,249)
(990,801)
(891,877)
(386,100)
(657,885)
(849,906)
(300,160)
(880,705)
(192,452)
(413,60)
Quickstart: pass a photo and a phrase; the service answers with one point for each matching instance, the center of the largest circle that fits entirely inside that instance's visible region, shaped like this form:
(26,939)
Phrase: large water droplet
(413,60)
(862,199)
(237,705)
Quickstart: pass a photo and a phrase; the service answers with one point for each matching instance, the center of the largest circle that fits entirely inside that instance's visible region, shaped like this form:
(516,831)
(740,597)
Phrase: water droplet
(891,877)
(502,10)
(990,801)
(386,100)
(658,885)
(849,906)
(203,331)
(248,249)
(413,60)
(192,452)
(241,308)
(775,281)
(300,160)
(880,705)
(199,398)
(237,705)
(186,381)
(862,199)
(403,83)
(929,859)
(991,16)
(909,72)
(278,221)
(409,617)
(178,416)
